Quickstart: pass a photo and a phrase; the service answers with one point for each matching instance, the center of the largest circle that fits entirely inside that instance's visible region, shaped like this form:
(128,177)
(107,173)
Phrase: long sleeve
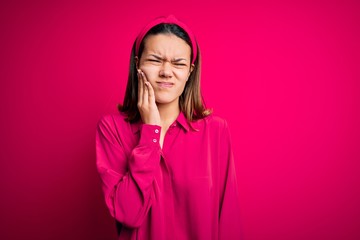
(127,179)
(229,217)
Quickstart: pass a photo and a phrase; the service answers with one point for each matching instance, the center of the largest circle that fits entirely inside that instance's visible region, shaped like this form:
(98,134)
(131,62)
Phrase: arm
(229,215)
(127,183)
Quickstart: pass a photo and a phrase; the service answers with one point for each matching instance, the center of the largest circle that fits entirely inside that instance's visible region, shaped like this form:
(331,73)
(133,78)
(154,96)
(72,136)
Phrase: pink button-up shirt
(185,190)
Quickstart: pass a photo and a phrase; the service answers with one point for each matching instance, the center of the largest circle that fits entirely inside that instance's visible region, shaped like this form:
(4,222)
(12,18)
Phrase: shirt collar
(181,120)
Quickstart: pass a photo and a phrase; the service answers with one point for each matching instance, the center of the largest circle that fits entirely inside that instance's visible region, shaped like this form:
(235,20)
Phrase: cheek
(181,75)
(151,72)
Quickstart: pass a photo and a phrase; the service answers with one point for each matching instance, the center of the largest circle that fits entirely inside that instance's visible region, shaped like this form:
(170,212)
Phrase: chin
(164,99)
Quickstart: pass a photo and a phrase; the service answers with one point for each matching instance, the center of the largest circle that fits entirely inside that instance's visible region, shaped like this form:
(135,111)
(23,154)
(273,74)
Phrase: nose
(165,70)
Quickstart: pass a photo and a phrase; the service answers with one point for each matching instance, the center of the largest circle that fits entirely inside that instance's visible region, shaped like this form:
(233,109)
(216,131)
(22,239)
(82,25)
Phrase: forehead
(166,44)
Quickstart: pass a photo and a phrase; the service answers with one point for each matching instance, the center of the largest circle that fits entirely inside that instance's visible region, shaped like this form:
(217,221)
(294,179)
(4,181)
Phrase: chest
(186,157)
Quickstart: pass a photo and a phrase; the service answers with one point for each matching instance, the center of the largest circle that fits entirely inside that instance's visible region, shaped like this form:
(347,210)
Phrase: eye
(154,60)
(179,65)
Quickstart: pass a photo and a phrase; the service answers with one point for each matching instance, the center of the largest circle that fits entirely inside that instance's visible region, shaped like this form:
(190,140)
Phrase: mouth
(165,84)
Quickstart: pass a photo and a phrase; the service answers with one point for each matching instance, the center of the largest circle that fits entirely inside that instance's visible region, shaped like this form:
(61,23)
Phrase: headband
(172,20)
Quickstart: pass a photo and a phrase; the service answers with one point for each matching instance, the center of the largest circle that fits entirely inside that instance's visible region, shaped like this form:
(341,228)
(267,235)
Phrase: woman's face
(165,61)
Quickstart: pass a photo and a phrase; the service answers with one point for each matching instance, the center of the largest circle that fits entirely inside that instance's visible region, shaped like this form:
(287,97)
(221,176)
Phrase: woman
(165,161)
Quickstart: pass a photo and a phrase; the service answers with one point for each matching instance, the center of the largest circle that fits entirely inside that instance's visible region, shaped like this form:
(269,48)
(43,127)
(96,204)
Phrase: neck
(168,113)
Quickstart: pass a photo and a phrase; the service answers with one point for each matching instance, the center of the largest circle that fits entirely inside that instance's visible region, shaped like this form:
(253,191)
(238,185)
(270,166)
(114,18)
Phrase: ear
(192,67)
(137,62)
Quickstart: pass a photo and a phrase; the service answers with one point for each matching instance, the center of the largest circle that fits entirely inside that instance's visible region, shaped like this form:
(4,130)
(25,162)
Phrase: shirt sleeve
(127,181)
(229,214)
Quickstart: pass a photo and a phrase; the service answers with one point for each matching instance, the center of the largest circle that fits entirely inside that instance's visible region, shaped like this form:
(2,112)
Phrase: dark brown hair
(191,101)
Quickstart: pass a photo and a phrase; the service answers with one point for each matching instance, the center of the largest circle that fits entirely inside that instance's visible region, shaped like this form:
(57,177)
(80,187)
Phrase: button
(156,130)
(154,140)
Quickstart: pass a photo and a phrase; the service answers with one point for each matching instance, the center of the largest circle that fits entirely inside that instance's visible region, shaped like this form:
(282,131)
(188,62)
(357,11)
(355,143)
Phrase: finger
(144,76)
(140,88)
(146,89)
(151,92)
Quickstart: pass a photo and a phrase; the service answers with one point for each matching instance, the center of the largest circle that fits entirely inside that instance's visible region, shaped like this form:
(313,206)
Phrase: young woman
(165,161)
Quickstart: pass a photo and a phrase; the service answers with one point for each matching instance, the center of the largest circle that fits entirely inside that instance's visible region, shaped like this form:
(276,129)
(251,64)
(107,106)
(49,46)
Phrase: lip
(165,84)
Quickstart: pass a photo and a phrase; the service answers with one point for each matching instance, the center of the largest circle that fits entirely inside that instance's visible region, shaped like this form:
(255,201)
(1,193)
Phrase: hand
(146,101)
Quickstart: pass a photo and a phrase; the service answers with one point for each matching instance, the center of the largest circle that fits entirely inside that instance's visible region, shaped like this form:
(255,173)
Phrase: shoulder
(212,122)
(216,121)
(112,122)
(111,118)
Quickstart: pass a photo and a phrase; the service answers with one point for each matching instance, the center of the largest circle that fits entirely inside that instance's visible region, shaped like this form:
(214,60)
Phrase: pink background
(284,74)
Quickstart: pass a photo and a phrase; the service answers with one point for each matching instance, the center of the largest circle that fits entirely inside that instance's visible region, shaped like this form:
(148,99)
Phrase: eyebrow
(174,60)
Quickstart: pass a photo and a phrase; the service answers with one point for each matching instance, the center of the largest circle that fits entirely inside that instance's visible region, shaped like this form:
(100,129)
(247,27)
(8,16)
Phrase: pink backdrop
(285,75)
